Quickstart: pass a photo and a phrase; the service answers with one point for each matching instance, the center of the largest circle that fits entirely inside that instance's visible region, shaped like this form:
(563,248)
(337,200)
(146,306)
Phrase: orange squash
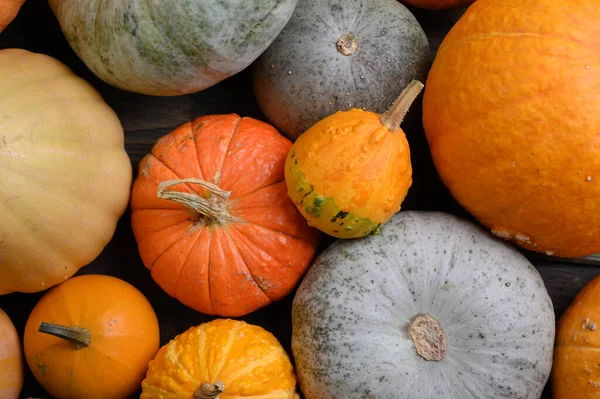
(439,4)
(510,110)
(224,359)
(91,337)
(212,219)
(8,11)
(349,173)
(576,365)
(11,359)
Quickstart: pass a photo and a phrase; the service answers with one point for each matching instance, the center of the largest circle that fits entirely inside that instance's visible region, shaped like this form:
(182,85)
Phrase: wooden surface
(147,118)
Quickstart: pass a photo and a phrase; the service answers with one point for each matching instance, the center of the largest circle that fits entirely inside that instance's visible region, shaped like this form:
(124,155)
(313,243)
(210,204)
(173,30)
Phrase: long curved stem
(214,208)
(393,118)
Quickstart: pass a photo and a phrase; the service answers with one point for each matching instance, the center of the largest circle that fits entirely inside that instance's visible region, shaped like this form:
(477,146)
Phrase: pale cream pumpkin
(65,176)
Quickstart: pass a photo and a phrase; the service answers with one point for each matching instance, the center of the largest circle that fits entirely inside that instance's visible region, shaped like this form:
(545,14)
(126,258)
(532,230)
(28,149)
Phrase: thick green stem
(393,118)
(210,391)
(214,207)
(78,336)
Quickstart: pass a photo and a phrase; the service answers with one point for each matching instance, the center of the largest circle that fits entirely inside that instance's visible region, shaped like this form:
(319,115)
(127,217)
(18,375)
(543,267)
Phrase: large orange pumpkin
(11,359)
(221,359)
(512,117)
(576,365)
(212,219)
(8,11)
(91,337)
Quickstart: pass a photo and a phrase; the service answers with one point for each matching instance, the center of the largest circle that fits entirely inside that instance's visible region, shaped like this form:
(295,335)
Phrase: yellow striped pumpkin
(224,359)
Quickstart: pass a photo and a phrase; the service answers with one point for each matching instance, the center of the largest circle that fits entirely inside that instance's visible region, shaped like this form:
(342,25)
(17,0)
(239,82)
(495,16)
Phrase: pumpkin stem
(393,118)
(78,336)
(210,391)
(428,337)
(347,44)
(214,207)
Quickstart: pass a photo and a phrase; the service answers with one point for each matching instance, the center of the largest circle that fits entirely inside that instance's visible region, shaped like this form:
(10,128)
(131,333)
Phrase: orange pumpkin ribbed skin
(11,359)
(576,364)
(439,4)
(510,111)
(8,11)
(263,246)
(246,358)
(124,337)
(348,174)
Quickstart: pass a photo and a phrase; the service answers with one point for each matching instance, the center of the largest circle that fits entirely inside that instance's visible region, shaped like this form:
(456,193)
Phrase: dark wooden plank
(436,24)
(564,281)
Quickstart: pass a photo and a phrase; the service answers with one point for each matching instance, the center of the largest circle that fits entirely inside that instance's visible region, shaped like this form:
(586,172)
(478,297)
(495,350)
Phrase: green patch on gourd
(314,209)
(323,212)
(339,215)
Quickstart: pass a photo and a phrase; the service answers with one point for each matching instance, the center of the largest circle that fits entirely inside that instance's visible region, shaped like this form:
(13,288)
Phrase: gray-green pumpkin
(166,47)
(336,55)
(433,307)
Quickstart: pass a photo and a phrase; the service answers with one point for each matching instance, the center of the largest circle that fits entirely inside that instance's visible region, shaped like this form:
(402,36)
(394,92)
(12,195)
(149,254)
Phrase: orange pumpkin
(8,11)
(350,172)
(11,359)
(91,337)
(576,364)
(439,4)
(212,219)
(510,110)
(224,359)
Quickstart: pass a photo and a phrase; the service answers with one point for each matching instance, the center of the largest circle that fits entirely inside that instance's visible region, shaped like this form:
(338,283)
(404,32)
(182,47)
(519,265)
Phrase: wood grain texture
(147,118)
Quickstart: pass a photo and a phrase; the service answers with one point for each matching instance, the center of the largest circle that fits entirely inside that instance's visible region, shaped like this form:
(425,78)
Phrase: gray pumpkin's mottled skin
(302,77)
(167,48)
(352,312)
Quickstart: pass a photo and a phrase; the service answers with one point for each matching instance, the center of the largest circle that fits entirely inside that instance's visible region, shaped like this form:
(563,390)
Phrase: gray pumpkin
(433,307)
(336,55)
(168,47)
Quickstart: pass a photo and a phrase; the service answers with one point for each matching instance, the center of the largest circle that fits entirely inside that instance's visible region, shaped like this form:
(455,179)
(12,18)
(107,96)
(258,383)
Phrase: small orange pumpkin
(225,359)
(8,11)
(576,364)
(350,172)
(212,219)
(11,359)
(91,337)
